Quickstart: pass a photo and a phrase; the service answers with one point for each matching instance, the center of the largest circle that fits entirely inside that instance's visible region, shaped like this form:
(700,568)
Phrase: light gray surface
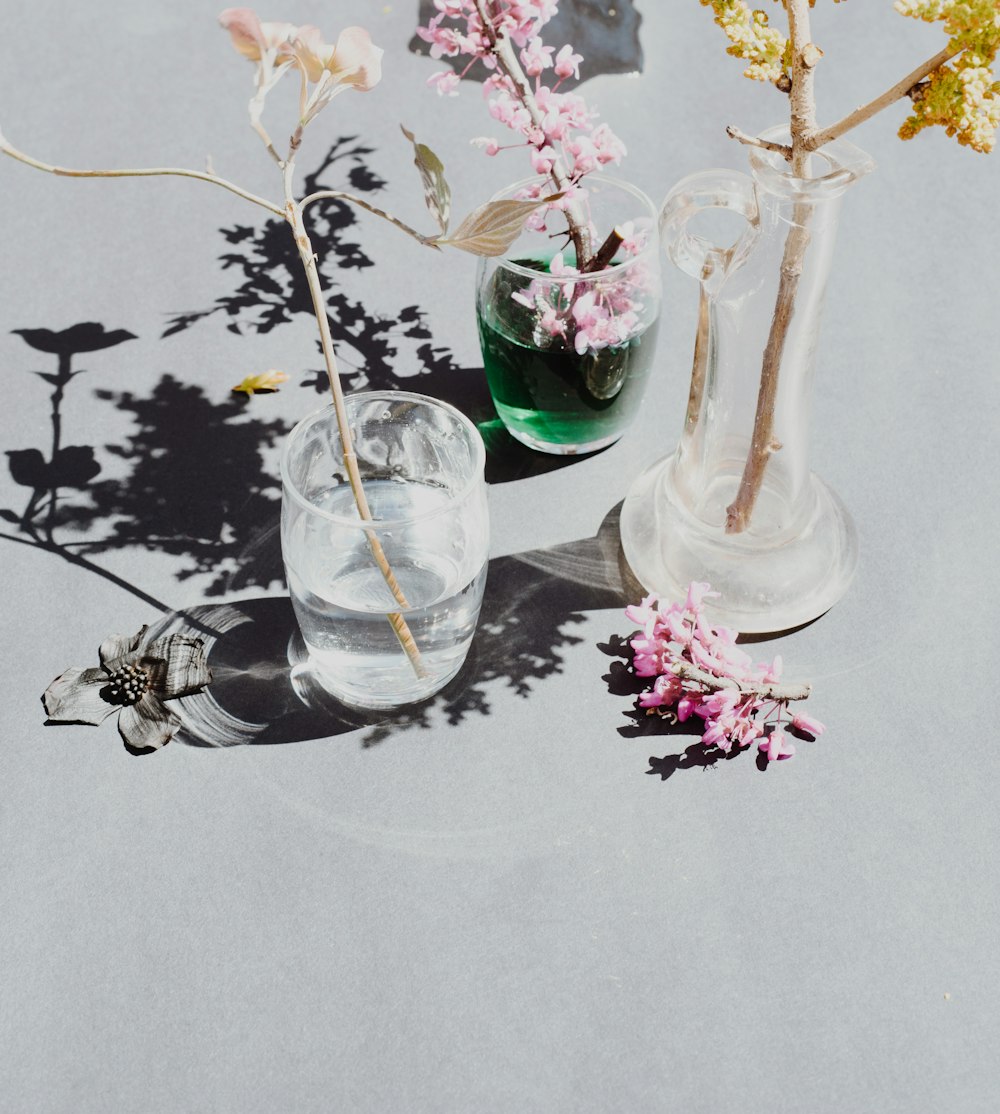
(507,913)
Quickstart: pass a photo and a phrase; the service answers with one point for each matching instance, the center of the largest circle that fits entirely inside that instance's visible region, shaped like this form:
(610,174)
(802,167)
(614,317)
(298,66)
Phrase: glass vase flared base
(768,580)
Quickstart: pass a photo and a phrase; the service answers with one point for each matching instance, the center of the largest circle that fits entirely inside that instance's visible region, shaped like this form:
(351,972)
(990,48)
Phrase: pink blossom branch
(506,59)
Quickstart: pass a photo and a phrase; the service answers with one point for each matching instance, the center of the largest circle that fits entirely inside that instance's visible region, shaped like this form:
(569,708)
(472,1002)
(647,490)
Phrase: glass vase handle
(693,253)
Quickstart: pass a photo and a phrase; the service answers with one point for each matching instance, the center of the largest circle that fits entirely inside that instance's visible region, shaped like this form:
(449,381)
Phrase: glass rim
(608,272)
(472,482)
(847,163)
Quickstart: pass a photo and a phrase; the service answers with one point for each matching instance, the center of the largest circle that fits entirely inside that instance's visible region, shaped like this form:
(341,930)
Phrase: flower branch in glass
(558,346)
(736,503)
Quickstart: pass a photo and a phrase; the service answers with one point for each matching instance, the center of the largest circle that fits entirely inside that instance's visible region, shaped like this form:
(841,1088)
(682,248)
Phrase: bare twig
(302,242)
(64,172)
(339,195)
(803,123)
(606,252)
(782,149)
(897,92)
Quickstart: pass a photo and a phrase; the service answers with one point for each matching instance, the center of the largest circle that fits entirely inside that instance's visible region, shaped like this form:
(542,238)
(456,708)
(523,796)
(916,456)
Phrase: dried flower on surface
(135,678)
(265,383)
(698,670)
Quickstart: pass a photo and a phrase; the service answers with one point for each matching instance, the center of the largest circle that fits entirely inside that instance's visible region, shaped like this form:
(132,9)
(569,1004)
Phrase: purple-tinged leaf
(437,192)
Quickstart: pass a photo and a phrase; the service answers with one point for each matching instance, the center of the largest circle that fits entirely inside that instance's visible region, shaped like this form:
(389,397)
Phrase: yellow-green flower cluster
(964,100)
(962,97)
(752,38)
(972,25)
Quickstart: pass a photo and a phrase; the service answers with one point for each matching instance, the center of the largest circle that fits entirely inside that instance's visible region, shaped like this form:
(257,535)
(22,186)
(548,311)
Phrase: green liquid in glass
(553,397)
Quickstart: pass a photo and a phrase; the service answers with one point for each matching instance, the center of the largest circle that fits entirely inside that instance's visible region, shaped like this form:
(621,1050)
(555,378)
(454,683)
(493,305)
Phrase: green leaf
(437,192)
(493,227)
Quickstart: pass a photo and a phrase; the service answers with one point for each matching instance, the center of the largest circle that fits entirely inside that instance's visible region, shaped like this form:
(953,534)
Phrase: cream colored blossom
(355,60)
(963,97)
(256,40)
(972,25)
(752,38)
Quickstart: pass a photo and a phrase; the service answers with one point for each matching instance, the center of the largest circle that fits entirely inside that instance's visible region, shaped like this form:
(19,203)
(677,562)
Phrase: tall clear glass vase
(736,504)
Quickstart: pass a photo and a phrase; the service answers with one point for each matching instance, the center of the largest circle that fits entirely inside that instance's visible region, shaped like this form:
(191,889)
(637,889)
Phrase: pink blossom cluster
(594,312)
(560,131)
(700,671)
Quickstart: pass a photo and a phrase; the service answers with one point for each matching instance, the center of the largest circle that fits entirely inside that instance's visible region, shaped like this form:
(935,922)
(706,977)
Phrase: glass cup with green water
(568,354)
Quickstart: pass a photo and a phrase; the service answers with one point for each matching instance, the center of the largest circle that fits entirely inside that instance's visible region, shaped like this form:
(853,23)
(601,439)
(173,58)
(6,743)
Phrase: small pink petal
(807,724)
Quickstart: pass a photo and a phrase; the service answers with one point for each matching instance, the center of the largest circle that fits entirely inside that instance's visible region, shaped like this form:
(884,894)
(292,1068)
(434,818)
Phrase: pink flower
(666,689)
(696,594)
(254,39)
(446,82)
(807,725)
(633,241)
(543,161)
(568,63)
(776,745)
(608,146)
(536,57)
(484,143)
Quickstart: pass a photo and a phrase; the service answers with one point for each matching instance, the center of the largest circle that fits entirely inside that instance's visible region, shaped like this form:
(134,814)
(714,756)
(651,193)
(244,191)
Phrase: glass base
(318,690)
(766,583)
(558,448)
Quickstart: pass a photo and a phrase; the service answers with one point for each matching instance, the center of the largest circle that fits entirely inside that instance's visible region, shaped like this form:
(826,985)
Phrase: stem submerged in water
(803,124)
(302,242)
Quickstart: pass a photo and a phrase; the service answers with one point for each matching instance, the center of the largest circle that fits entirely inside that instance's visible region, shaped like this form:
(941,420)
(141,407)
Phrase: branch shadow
(532,603)
(271,290)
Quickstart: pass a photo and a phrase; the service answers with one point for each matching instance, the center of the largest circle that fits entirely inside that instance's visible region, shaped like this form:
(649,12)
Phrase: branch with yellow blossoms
(955,89)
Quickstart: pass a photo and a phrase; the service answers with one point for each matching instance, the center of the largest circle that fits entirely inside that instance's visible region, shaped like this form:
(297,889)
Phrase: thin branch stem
(782,149)
(803,122)
(896,93)
(65,172)
(339,195)
(802,96)
(790,690)
(302,242)
(259,128)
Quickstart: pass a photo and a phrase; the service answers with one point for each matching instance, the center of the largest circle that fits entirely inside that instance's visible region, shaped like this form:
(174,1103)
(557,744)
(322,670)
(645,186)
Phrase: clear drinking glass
(552,390)
(421,465)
